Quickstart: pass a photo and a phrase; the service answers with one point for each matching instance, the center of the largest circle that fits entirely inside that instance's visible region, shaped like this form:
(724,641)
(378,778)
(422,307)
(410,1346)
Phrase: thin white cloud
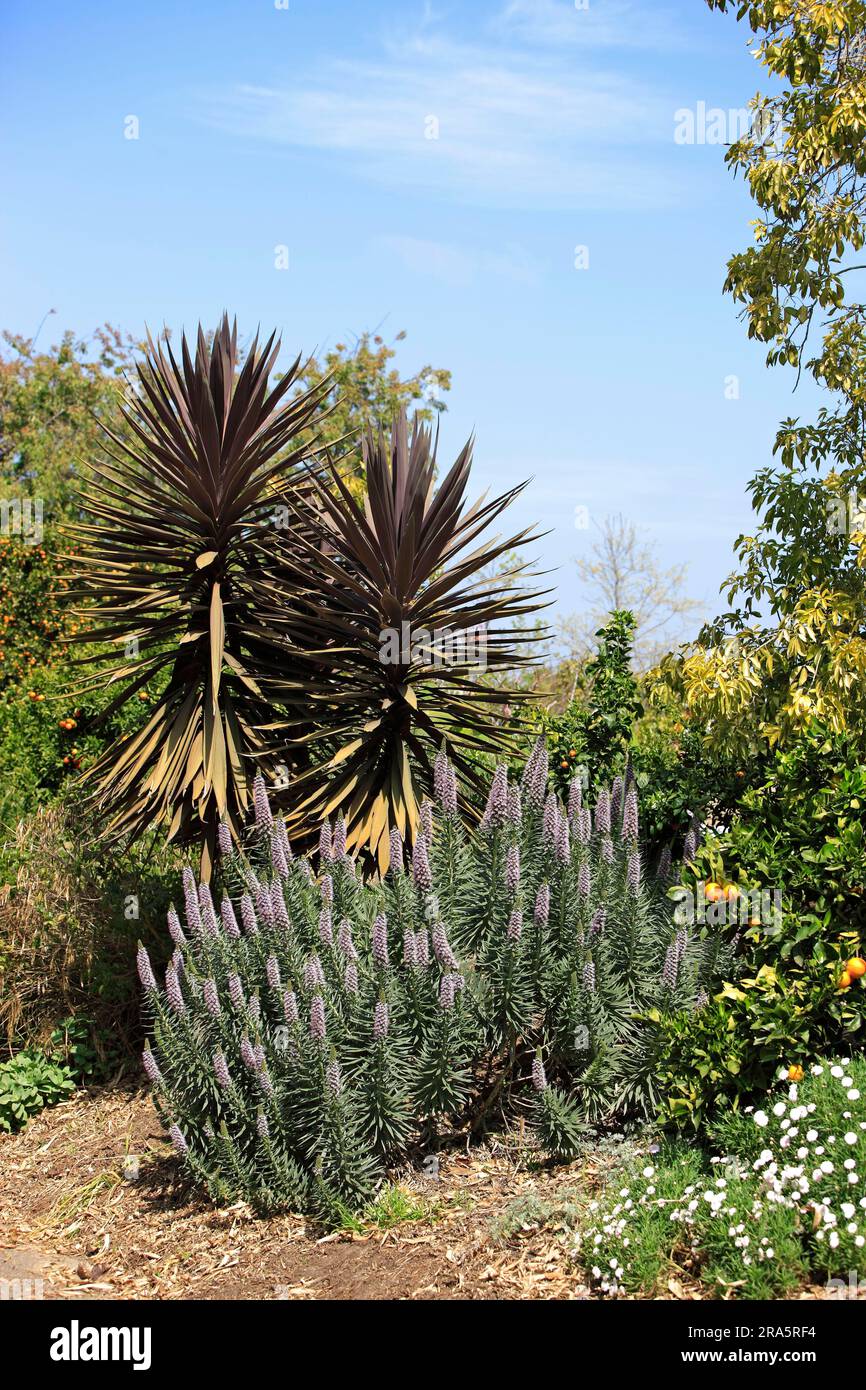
(495,126)
(457,265)
(601,24)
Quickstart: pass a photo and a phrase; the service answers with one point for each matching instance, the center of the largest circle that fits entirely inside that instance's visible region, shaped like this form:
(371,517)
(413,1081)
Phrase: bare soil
(91,1206)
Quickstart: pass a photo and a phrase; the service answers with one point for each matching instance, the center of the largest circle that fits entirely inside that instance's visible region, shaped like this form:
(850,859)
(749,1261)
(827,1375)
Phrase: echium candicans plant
(315,1029)
(178,573)
(403,603)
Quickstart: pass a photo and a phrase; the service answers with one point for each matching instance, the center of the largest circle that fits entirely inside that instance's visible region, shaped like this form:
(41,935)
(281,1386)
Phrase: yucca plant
(402,613)
(325,1027)
(180,567)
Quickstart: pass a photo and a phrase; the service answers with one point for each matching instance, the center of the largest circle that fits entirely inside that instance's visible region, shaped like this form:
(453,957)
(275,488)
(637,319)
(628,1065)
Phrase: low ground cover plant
(778,1197)
(318,1028)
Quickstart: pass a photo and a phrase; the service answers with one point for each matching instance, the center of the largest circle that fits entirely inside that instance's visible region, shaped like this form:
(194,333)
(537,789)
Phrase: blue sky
(309,127)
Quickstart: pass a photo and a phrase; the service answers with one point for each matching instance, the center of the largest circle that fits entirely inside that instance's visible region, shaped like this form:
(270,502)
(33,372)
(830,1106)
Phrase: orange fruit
(844,980)
(564,763)
(713,891)
(795,1073)
(731,893)
(855,967)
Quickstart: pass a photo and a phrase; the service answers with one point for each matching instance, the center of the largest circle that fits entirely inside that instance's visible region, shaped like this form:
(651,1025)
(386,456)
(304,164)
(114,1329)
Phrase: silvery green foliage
(323,1028)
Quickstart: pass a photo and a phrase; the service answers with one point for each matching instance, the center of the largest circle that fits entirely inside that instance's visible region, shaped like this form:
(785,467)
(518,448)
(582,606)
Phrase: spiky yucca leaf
(405,619)
(179,568)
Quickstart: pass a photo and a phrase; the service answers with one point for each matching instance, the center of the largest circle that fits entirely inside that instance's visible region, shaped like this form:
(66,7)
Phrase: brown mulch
(90,1203)
(91,1206)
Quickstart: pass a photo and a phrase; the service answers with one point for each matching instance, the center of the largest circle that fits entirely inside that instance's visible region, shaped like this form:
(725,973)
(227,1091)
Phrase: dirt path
(89,1205)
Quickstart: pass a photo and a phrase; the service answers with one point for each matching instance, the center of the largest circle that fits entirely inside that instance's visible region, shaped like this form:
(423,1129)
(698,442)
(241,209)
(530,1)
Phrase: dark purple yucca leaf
(178,565)
(397,605)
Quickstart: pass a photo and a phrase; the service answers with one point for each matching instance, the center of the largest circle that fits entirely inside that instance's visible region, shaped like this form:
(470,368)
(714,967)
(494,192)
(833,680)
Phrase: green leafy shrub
(70,915)
(782,1196)
(592,734)
(28,1082)
(329,1027)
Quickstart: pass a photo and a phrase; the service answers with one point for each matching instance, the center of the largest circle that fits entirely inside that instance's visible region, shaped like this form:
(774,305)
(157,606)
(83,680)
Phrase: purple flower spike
(512,869)
(338,844)
(584,826)
(173,993)
(344,940)
(333,1079)
(664,865)
(589,977)
(211,998)
(264,905)
(325,843)
(278,859)
(396,851)
(380,941)
(597,925)
(602,812)
(175,930)
(497,799)
(229,920)
(350,978)
(515,925)
(278,904)
(262,1125)
(440,774)
(681,941)
(607,849)
(447,991)
(584,882)
(410,954)
(178,1141)
(236,991)
(224,840)
(632,873)
(426,814)
(535,775)
(539,1080)
(273,972)
(380,1021)
(326,888)
(421,874)
(514,812)
(145,971)
(265,1081)
(629,815)
(542,905)
(616,795)
(248,1054)
(442,949)
(190,901)
(221,1071)
(422,947)
(690,848)
(264,819)
(290,1006)
(248,915)
(154,1075)
(317,1018)
(326,928)
(550,819)
(314,975)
